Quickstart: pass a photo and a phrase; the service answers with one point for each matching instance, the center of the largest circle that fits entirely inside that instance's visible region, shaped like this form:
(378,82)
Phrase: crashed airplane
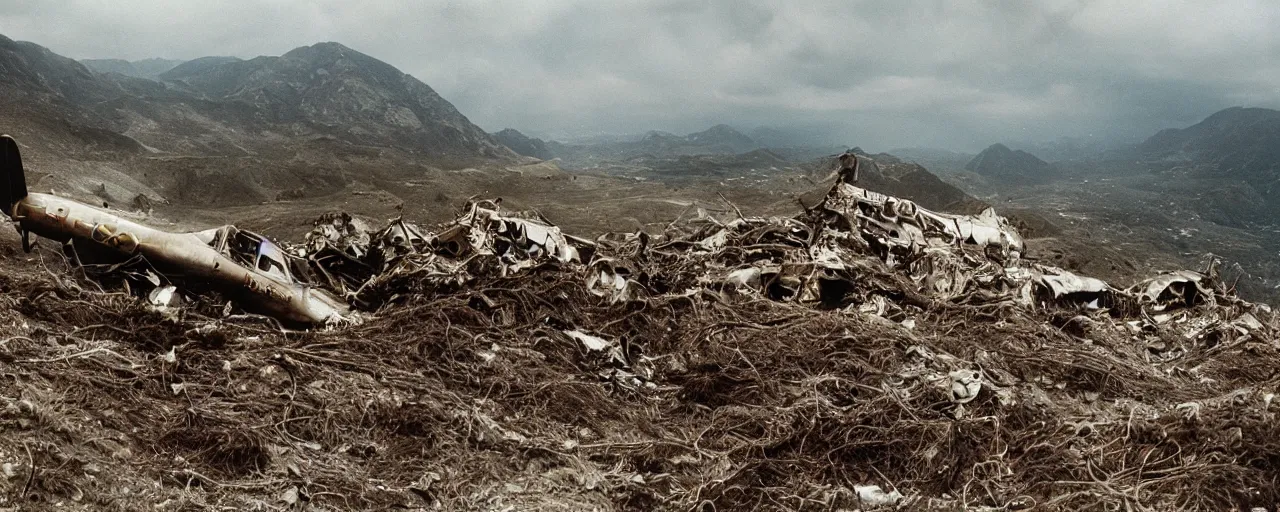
(241,265)
(851,250)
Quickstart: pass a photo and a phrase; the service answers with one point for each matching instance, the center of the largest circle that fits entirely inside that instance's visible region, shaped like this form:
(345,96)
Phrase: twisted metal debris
(864,354)
(816,259)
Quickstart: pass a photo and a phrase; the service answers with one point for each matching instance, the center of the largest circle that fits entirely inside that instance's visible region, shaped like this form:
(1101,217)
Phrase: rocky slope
(28,69)
(46,100)
(1227,166)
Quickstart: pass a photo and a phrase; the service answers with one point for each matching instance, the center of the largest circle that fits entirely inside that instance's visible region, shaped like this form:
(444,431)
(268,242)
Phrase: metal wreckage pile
(894,266)
(865,354)
(857,250)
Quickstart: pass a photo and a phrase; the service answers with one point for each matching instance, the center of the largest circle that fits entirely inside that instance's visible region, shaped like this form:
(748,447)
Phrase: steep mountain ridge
(226,131)
(149,69)
(218,104)
(46,98)
(28,68)
(1238,142)
(1229,162)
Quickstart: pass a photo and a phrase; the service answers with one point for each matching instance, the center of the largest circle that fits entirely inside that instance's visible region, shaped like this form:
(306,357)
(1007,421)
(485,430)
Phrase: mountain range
(225,130)
(718,140)
(210,105)
(322,116)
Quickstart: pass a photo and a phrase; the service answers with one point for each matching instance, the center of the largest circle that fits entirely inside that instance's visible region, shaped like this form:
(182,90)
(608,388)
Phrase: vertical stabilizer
(13,180)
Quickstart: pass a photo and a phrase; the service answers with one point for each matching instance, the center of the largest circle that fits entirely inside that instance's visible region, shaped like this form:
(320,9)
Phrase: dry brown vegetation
(483,395)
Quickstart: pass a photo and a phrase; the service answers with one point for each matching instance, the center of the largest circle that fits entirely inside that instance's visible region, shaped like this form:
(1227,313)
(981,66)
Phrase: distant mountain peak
(656,135)
(723,135)
(1000,161)
(523,144)
(325,89)
(322,51)
(329,46)
(722,128)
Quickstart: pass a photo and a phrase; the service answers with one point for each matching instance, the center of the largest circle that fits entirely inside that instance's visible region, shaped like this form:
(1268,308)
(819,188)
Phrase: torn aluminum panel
(743,279)
(518,242)
(397,240)
(340,231)
(749,231)
(1065,283)
(1183,288)
(941,273)
(1065,288)
(984,229)
(903,223)
(337,251)
(607,278)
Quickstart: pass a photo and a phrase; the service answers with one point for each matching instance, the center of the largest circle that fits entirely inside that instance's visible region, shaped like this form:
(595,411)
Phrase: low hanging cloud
(959,74)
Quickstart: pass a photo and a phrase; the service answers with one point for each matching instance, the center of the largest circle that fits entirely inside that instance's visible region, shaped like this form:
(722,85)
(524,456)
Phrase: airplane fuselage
(182,256)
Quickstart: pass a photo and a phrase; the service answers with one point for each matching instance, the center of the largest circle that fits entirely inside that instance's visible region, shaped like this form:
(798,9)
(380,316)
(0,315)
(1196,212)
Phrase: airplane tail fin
(13,179)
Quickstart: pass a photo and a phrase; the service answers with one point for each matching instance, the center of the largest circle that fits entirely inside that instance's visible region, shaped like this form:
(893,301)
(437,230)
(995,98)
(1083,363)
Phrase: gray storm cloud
(959,74)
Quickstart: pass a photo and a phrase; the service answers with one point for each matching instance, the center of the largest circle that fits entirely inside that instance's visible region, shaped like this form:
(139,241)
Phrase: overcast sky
(958,74)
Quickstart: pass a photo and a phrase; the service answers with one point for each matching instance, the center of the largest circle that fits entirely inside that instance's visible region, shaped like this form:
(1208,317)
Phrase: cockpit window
(271,261)
(243,247)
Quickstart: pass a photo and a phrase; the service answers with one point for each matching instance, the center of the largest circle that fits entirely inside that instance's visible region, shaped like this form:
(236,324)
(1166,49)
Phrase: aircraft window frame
(271,261)
(243,247)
